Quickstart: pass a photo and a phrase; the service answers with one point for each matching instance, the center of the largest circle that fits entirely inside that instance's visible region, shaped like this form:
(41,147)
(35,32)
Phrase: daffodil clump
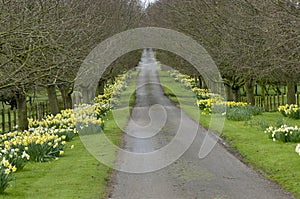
(6,169)
(186,80)
(207,105)
(37,144)
(86,115)
(284,133)
(12,159)
(105,98)
(209,102)
(62,124)
(15,156)
(291,111)
(113,91)
(237,111)
(202,94)
(217,105)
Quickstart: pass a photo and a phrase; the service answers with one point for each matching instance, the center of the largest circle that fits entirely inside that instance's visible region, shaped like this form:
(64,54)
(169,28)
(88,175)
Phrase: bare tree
(42,43)
(250,41)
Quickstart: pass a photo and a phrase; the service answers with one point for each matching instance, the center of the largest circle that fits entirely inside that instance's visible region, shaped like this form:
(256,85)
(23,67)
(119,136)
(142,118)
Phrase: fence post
(40,110)
(267,103)
(3,120)
(48,108)
(259,102)
(270,102)
(31,111)
(274,103)
(9,120)
(43,109)
(15,117)
(36,111)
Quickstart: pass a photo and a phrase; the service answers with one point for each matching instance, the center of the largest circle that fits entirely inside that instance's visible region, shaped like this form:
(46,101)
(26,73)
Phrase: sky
(146,2)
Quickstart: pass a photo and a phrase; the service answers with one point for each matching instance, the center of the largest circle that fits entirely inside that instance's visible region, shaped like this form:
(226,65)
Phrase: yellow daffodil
(7,171)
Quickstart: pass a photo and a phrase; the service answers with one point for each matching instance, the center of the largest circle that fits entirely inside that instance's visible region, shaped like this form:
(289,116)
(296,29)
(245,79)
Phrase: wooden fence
(9,118)
(272,102)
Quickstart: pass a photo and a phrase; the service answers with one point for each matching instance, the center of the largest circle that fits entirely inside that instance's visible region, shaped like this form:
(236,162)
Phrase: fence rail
(272,102)
(9,118)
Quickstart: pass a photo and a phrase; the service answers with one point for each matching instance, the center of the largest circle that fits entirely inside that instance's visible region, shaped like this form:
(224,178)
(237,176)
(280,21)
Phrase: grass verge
(75,175)
(171,95)
(275,160)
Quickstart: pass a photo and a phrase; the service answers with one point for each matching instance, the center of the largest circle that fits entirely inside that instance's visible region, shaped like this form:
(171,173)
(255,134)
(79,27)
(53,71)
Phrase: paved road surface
(219,175)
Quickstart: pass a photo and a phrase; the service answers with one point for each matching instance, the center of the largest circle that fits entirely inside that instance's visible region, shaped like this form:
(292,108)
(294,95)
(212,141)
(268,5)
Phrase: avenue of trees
(252,42)
(43,43)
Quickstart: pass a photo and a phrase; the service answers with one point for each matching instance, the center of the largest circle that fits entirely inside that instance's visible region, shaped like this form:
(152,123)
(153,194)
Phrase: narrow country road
(219,175)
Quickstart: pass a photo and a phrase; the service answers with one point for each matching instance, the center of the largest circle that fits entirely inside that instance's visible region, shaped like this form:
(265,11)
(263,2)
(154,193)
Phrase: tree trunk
(53,103)
(291,95)
(100,87)
(237,94)
(249,88)
(76,98)
(22,111)
(256,90)
(66,96)
(229,94)
(69,100)
(85,95)
(196,79)
(112,79)
(200,82)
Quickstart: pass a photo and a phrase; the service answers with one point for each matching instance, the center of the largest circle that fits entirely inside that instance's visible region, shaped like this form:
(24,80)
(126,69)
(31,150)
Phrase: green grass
(171,95)
(77,174)
(276,160)
(127,98)
(176,92)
